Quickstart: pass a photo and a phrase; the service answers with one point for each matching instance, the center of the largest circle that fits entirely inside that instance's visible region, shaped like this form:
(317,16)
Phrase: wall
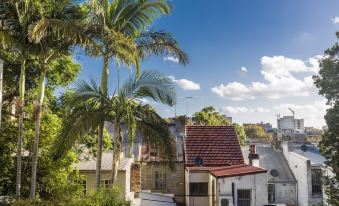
(136,178)
(199,200)
(301,169)
(175,181)
(286,193)
(123,182)
(257,183)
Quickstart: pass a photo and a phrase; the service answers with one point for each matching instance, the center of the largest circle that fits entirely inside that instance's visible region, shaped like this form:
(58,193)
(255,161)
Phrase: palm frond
(77,125)
(133,18)
(151,84)
(155,132)
(160,43)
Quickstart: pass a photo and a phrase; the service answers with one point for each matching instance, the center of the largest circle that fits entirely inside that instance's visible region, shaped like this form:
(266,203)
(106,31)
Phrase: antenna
(187,99)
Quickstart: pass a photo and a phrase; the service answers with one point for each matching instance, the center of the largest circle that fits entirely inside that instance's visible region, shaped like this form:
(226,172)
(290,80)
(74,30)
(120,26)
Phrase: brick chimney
(253,156)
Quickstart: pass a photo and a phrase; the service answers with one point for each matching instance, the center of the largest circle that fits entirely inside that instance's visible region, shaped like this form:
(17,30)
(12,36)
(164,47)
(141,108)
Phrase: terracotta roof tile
(216,145)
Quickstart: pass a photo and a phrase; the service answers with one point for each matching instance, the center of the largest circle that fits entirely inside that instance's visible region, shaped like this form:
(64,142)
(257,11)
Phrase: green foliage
(328,84)
(240,130)
(257,132)
(208,116)
(102,197)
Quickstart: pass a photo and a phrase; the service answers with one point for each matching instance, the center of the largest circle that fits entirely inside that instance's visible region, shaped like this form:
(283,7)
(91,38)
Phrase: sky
(251,60)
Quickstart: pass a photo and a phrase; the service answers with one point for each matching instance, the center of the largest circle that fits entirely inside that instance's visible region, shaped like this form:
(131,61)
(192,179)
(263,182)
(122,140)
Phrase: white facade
(302,169)
(226,189)
(255,183)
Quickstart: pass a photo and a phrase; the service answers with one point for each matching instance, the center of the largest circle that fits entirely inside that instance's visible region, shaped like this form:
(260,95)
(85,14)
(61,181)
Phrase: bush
(102,197)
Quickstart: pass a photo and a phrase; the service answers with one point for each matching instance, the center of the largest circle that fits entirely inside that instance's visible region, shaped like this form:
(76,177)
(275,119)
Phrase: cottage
(215,171)
(87,169)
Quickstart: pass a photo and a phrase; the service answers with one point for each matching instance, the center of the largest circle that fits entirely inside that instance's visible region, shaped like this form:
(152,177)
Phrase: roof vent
(304,148)
(198,161)
(274,173)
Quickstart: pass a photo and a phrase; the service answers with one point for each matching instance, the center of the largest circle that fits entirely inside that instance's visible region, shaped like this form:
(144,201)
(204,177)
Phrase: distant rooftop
(215,145)
(310,152)
(106,163)
(271,160)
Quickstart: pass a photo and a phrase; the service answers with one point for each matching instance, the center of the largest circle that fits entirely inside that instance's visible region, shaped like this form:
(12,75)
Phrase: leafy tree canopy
(257,132)
(209,116)
(328,84)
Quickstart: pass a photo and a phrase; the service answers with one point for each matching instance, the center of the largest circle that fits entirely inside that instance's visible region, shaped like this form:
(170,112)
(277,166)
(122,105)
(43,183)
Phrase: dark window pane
(199,189)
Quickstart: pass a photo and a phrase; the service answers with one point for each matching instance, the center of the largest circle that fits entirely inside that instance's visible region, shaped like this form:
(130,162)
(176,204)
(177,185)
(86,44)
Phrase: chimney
(253,156)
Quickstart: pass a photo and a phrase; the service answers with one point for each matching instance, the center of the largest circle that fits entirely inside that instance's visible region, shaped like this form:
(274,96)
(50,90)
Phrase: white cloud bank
(185,84)
(335,20)
(171,59)
(278,73)
(237,110)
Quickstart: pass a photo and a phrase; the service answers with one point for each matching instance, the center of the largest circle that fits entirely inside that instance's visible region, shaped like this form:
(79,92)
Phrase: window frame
(316,184)
(160,180)
(244,201)
(105,183)
(200,189)
(271,193)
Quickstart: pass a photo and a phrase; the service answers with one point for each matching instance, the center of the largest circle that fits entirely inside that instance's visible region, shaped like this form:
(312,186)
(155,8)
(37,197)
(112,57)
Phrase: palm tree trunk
(116,152)
(104,82)
(21,103)
(1,79)
(99,156)
(37,114)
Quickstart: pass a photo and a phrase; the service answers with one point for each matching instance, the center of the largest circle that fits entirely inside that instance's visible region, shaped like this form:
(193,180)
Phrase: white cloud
(236,110)
(171,59)
(243,69)
(185,84)
(278,73)
(313,113)
(335,20)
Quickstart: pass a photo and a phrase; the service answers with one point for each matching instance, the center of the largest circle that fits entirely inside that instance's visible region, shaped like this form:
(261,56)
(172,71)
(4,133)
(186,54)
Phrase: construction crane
(292,112)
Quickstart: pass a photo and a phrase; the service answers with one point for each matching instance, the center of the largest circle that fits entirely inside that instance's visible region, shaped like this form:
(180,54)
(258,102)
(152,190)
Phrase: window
(199,189)
(271,193)
(83,183)
(160,180)
(316,181)
(225,202)
(244,197)
(105,183)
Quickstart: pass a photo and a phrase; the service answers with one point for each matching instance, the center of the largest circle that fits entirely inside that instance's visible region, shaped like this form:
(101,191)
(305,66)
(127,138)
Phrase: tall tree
(121,28)
(123,109)
(16,17)
(209,116)
(53,48)
(328,84)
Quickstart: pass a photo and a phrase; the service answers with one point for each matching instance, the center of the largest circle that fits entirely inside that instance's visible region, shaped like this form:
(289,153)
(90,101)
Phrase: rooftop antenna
(187,99)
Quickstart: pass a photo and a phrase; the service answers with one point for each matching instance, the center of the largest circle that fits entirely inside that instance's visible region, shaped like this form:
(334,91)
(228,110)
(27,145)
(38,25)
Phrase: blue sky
(249,59)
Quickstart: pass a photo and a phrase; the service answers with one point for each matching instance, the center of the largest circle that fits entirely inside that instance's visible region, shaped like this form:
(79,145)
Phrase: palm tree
(15,18)
(121,28)
(128,112)
(52,48)
(88,107)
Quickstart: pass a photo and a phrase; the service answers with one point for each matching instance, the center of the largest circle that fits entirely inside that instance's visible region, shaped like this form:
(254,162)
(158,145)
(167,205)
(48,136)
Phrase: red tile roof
(229,171)
(216,145)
